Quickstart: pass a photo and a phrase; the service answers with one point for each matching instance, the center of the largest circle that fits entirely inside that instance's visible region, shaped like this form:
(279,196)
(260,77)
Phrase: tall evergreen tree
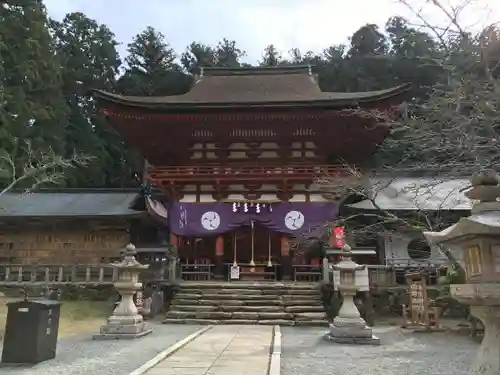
(33,108)
(228,54)
(197,55)
(89,60)
(271,56)
(152,68)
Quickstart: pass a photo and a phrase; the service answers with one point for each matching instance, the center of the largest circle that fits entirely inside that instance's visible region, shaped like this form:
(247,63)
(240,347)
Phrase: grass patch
(77,317)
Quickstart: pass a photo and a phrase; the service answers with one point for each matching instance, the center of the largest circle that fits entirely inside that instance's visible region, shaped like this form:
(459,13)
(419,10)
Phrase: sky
(310,25)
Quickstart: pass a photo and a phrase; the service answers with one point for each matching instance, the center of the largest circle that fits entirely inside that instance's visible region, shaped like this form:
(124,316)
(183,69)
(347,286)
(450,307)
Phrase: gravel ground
(83,356)
(305,351)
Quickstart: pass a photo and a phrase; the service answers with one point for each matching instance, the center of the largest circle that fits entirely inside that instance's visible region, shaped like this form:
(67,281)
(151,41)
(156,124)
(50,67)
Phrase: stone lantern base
(123,328)
(126,322)
(351,331)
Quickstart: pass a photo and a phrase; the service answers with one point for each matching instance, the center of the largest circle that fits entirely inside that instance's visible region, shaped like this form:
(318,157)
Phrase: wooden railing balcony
(297,173)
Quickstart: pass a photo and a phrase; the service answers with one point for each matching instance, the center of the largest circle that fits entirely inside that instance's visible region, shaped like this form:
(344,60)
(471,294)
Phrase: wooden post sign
(418,313)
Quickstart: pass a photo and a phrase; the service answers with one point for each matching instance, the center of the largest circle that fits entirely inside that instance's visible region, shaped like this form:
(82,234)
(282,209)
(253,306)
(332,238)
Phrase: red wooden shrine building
(237,157)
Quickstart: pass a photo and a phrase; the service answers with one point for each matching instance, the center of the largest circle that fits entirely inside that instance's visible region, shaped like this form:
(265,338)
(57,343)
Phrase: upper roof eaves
(217,87)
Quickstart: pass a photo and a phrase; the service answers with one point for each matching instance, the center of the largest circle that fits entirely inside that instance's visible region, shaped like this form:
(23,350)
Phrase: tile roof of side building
(246,86)
(408,194)
(70,203)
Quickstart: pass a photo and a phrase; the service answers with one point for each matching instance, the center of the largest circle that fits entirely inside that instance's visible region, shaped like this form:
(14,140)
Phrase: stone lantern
(478,237)
(126,322)
(348,326)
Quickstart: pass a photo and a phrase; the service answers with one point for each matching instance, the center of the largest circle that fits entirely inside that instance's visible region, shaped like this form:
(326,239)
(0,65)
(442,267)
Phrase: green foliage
(89,60)
(32,105)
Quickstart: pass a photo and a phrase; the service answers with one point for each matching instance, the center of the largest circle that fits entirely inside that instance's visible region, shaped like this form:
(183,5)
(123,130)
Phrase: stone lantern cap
(485,224)
(128,260)
(485,218)
(347,264)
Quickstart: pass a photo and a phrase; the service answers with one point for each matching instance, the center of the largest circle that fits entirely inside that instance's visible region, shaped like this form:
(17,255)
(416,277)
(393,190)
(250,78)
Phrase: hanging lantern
(235,209)
(339,237)
(257,208)
(245,207)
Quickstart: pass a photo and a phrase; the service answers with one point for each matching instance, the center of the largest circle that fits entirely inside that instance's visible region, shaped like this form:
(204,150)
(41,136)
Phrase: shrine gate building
(236,158)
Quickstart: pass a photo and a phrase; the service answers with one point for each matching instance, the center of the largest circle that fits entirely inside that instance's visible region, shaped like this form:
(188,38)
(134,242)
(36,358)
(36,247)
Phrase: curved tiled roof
(246,86)
(68,203)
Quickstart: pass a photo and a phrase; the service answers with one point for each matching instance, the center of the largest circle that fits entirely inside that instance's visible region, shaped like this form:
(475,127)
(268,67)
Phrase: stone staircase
(247,303)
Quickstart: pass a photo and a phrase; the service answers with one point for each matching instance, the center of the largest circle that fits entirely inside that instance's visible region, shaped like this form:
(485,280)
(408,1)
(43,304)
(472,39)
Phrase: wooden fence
(61,274)
(380,277)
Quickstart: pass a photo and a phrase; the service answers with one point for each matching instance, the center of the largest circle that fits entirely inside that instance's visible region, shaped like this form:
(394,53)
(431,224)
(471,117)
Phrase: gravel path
(306,352)
(83,356)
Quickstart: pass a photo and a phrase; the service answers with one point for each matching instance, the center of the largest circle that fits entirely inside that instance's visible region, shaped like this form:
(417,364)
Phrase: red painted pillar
(286,260)
(174,240)
(219,257)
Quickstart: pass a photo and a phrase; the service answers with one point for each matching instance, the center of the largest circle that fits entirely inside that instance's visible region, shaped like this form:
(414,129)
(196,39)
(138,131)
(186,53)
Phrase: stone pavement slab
(223,350)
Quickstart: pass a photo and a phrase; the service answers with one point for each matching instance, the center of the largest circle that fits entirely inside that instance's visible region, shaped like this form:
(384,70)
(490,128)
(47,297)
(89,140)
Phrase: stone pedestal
(488,357)
(348,327)
(126,322)
(483,300)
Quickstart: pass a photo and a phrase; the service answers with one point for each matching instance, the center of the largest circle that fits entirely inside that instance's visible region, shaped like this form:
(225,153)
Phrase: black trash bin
(31,331)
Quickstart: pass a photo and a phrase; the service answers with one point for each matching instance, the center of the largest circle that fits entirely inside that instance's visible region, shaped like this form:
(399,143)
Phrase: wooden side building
(73,226)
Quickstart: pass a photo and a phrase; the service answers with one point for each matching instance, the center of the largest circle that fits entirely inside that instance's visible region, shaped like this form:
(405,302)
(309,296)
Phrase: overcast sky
(253,24)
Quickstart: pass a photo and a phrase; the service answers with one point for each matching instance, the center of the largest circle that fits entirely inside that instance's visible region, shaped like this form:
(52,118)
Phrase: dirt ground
(77,317)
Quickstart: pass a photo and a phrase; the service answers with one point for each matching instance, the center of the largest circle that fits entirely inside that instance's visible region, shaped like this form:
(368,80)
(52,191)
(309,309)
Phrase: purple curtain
(207,219)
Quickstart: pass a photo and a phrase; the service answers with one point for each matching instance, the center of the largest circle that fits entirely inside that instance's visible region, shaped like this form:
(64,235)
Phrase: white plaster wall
(396,251)
(268,150)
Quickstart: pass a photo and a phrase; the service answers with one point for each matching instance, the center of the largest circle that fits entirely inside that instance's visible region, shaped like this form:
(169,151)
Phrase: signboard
(235,273)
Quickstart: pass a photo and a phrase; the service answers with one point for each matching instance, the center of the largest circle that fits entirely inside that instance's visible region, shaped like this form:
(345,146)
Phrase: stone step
(305,306)
(280,322)
(235,308)
(301,316)
(225,296)
(255,292)
(216,296)
(245,308)
(249,285)
(249,315)
(304,309)
(249,291)
(221,315)
(303,302)
(227,302)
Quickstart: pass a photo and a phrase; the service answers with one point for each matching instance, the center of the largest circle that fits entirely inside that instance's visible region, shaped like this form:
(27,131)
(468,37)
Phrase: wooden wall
(69,241)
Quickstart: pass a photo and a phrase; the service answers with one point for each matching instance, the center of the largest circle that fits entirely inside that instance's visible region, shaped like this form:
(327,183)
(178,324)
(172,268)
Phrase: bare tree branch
(40,168)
